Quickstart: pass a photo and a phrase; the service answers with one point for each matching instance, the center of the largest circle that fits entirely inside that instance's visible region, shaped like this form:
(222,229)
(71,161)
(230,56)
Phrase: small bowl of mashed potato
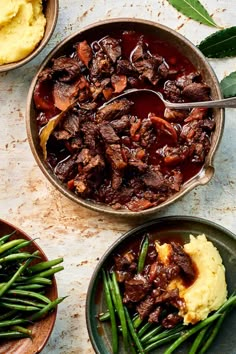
(25,28)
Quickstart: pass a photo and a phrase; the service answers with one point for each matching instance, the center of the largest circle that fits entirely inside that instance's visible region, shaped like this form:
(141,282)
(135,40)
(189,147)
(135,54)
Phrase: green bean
(18,307)
(46,273)
(144,329)
(112,291)
(12,335)
(112,314)
(30,287)
(162,341)
(150,334)
(104,316)
(39,267)
(29,294)
(198,340)
(120,310)
(46,309)
(213,334)
(137,322)
(8,314)
(143,254)
(17,247)
(133,332)
(9,323)
(15,257)
(22,330)
(9,245)
(190,332)
(38,280)
(4,238)
(21,301)
(166,333)
(5,287)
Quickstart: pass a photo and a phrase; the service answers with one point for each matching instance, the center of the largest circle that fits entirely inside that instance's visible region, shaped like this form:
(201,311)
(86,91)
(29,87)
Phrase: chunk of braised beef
(66,69)
(171,320)
(136,204)
(114,110)
(153,179)
(123,262)
(185,80)
(119,82)
(183,260)
(120,124)
(167,296)
(139,51)
(116,179)
(101,65)
(176,115)
(175,155)
(197,92)
(66,169)
(84,157)
(138,164)
(175,180)
(154,317)
(84,52)
(196,113)
(97,162)
(90,132)
(148,68)
(112,47)
(171,91)
(98,87)
(108,134)
(71,123)
(136,289)
(61,134)
(114,155)
(145,307)
(124,67)
(65,94)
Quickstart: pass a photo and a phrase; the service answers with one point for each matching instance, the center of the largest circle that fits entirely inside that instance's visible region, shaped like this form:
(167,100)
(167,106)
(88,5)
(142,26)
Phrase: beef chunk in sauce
(114,110)
(136,289)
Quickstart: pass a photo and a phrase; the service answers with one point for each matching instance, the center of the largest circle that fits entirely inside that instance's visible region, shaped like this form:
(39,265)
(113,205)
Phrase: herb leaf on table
(220,44)
(228,85)
(195,10)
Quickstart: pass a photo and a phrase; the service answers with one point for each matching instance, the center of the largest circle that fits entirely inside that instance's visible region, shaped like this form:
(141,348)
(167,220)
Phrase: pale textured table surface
(65,229)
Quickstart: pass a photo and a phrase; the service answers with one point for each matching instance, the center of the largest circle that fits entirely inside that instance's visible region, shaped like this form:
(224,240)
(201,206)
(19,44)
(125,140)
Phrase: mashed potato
(22,26)
(209,290)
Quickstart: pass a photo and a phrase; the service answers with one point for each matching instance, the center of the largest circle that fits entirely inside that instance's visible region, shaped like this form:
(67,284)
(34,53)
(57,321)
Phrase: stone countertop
(81,236)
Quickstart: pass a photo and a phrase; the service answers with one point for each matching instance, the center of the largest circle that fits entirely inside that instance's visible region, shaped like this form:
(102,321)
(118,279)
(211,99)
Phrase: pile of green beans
(23,287)
(143,337)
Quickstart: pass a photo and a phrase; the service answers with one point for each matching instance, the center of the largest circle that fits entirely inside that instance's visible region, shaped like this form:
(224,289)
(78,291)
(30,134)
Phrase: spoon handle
(224,103)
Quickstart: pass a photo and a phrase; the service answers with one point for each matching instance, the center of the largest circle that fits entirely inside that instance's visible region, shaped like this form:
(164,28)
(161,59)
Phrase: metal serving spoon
(224,103)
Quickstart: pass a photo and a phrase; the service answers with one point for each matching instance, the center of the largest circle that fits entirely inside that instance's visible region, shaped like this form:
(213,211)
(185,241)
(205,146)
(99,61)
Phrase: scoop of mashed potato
(22,26)
(209,290)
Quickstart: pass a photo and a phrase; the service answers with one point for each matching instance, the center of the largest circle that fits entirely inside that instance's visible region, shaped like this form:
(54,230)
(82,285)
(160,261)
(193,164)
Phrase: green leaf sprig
(195,10)
(228,85)
(220,44)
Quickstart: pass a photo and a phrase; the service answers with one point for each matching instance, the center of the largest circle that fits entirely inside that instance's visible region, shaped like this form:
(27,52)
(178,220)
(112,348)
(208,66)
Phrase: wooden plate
(42,329)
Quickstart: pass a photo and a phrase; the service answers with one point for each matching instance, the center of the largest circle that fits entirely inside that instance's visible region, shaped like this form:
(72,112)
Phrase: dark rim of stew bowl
(195,57)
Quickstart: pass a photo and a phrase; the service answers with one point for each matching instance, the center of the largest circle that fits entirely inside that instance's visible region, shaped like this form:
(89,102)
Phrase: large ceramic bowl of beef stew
(127,155)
